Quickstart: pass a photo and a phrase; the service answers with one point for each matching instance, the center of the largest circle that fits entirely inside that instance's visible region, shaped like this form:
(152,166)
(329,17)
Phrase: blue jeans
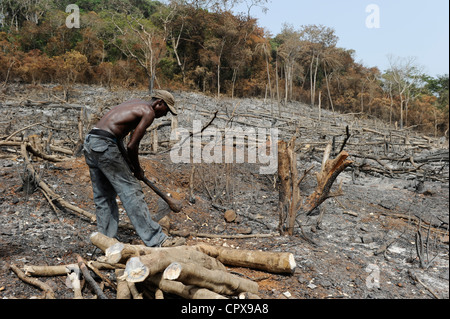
(111,176)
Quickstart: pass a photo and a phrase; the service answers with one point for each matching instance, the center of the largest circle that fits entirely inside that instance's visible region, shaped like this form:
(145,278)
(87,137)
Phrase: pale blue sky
(408,28)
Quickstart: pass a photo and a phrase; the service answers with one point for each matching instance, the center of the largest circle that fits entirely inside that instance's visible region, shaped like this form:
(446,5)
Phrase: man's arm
(133,146)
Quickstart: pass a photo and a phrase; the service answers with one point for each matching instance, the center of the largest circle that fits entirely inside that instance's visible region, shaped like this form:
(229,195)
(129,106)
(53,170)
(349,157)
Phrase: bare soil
(342,257)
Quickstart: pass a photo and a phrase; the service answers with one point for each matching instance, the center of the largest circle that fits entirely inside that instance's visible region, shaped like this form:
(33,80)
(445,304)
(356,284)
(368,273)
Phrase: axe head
(162,211)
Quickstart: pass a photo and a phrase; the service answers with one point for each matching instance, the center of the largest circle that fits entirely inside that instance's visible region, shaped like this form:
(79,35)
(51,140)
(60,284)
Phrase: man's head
(167,99)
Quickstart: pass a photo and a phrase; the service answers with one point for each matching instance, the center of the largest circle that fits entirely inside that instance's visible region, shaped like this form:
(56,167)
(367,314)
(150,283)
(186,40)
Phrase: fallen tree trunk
(52,195)
(218,281)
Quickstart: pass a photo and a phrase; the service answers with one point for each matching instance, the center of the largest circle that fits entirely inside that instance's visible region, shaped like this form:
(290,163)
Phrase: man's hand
(139,174)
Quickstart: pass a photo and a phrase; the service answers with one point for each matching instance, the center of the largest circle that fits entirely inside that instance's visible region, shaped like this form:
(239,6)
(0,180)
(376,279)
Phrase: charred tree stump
(326,178)
(289,190)
(291,203)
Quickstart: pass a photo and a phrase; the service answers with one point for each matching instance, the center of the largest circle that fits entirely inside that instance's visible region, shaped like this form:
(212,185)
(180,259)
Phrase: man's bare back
(123,119)
(133,116)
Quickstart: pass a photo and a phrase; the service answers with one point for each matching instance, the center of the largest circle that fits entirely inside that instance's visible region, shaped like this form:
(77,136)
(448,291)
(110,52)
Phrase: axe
(167,205)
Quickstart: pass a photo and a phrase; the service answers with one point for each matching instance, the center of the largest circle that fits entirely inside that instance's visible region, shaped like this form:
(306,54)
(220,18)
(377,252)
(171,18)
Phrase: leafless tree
(405,74)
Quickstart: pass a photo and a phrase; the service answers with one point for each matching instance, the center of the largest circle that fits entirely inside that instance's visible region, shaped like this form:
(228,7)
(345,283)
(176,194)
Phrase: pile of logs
(141,272)
(190,272)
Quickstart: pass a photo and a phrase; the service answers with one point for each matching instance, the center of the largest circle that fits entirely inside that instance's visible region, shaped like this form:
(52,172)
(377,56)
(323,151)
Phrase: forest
(201,45)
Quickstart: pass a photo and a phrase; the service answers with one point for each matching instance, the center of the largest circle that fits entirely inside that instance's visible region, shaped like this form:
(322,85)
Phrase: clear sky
(407,28)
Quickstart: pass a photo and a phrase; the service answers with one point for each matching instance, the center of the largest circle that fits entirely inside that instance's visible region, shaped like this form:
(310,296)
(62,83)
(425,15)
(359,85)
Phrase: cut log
(61,270)
(48,271)
(273,262)
(139,268)
(120,253)
(218,281)
(157,259)
(115,251)
(179,289)
(102,241)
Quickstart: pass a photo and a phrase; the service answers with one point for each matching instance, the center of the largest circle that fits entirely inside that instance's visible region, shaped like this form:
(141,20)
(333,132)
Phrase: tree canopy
(201,45)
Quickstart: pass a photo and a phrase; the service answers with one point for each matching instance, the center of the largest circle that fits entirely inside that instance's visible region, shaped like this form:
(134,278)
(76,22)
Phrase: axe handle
(173,204)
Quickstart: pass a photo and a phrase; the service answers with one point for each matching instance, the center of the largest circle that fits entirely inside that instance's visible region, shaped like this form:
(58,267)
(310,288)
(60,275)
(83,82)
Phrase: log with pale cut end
(135,270)
(115,251)
(218,281)
(113,254)
(102,241)
(179,289)
(273,262)
(139,268)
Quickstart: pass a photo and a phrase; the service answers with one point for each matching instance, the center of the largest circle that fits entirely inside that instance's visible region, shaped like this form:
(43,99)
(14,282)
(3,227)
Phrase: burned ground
(399,181)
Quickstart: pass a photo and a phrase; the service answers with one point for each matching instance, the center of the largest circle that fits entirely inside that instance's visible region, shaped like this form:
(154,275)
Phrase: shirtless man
(112,167)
